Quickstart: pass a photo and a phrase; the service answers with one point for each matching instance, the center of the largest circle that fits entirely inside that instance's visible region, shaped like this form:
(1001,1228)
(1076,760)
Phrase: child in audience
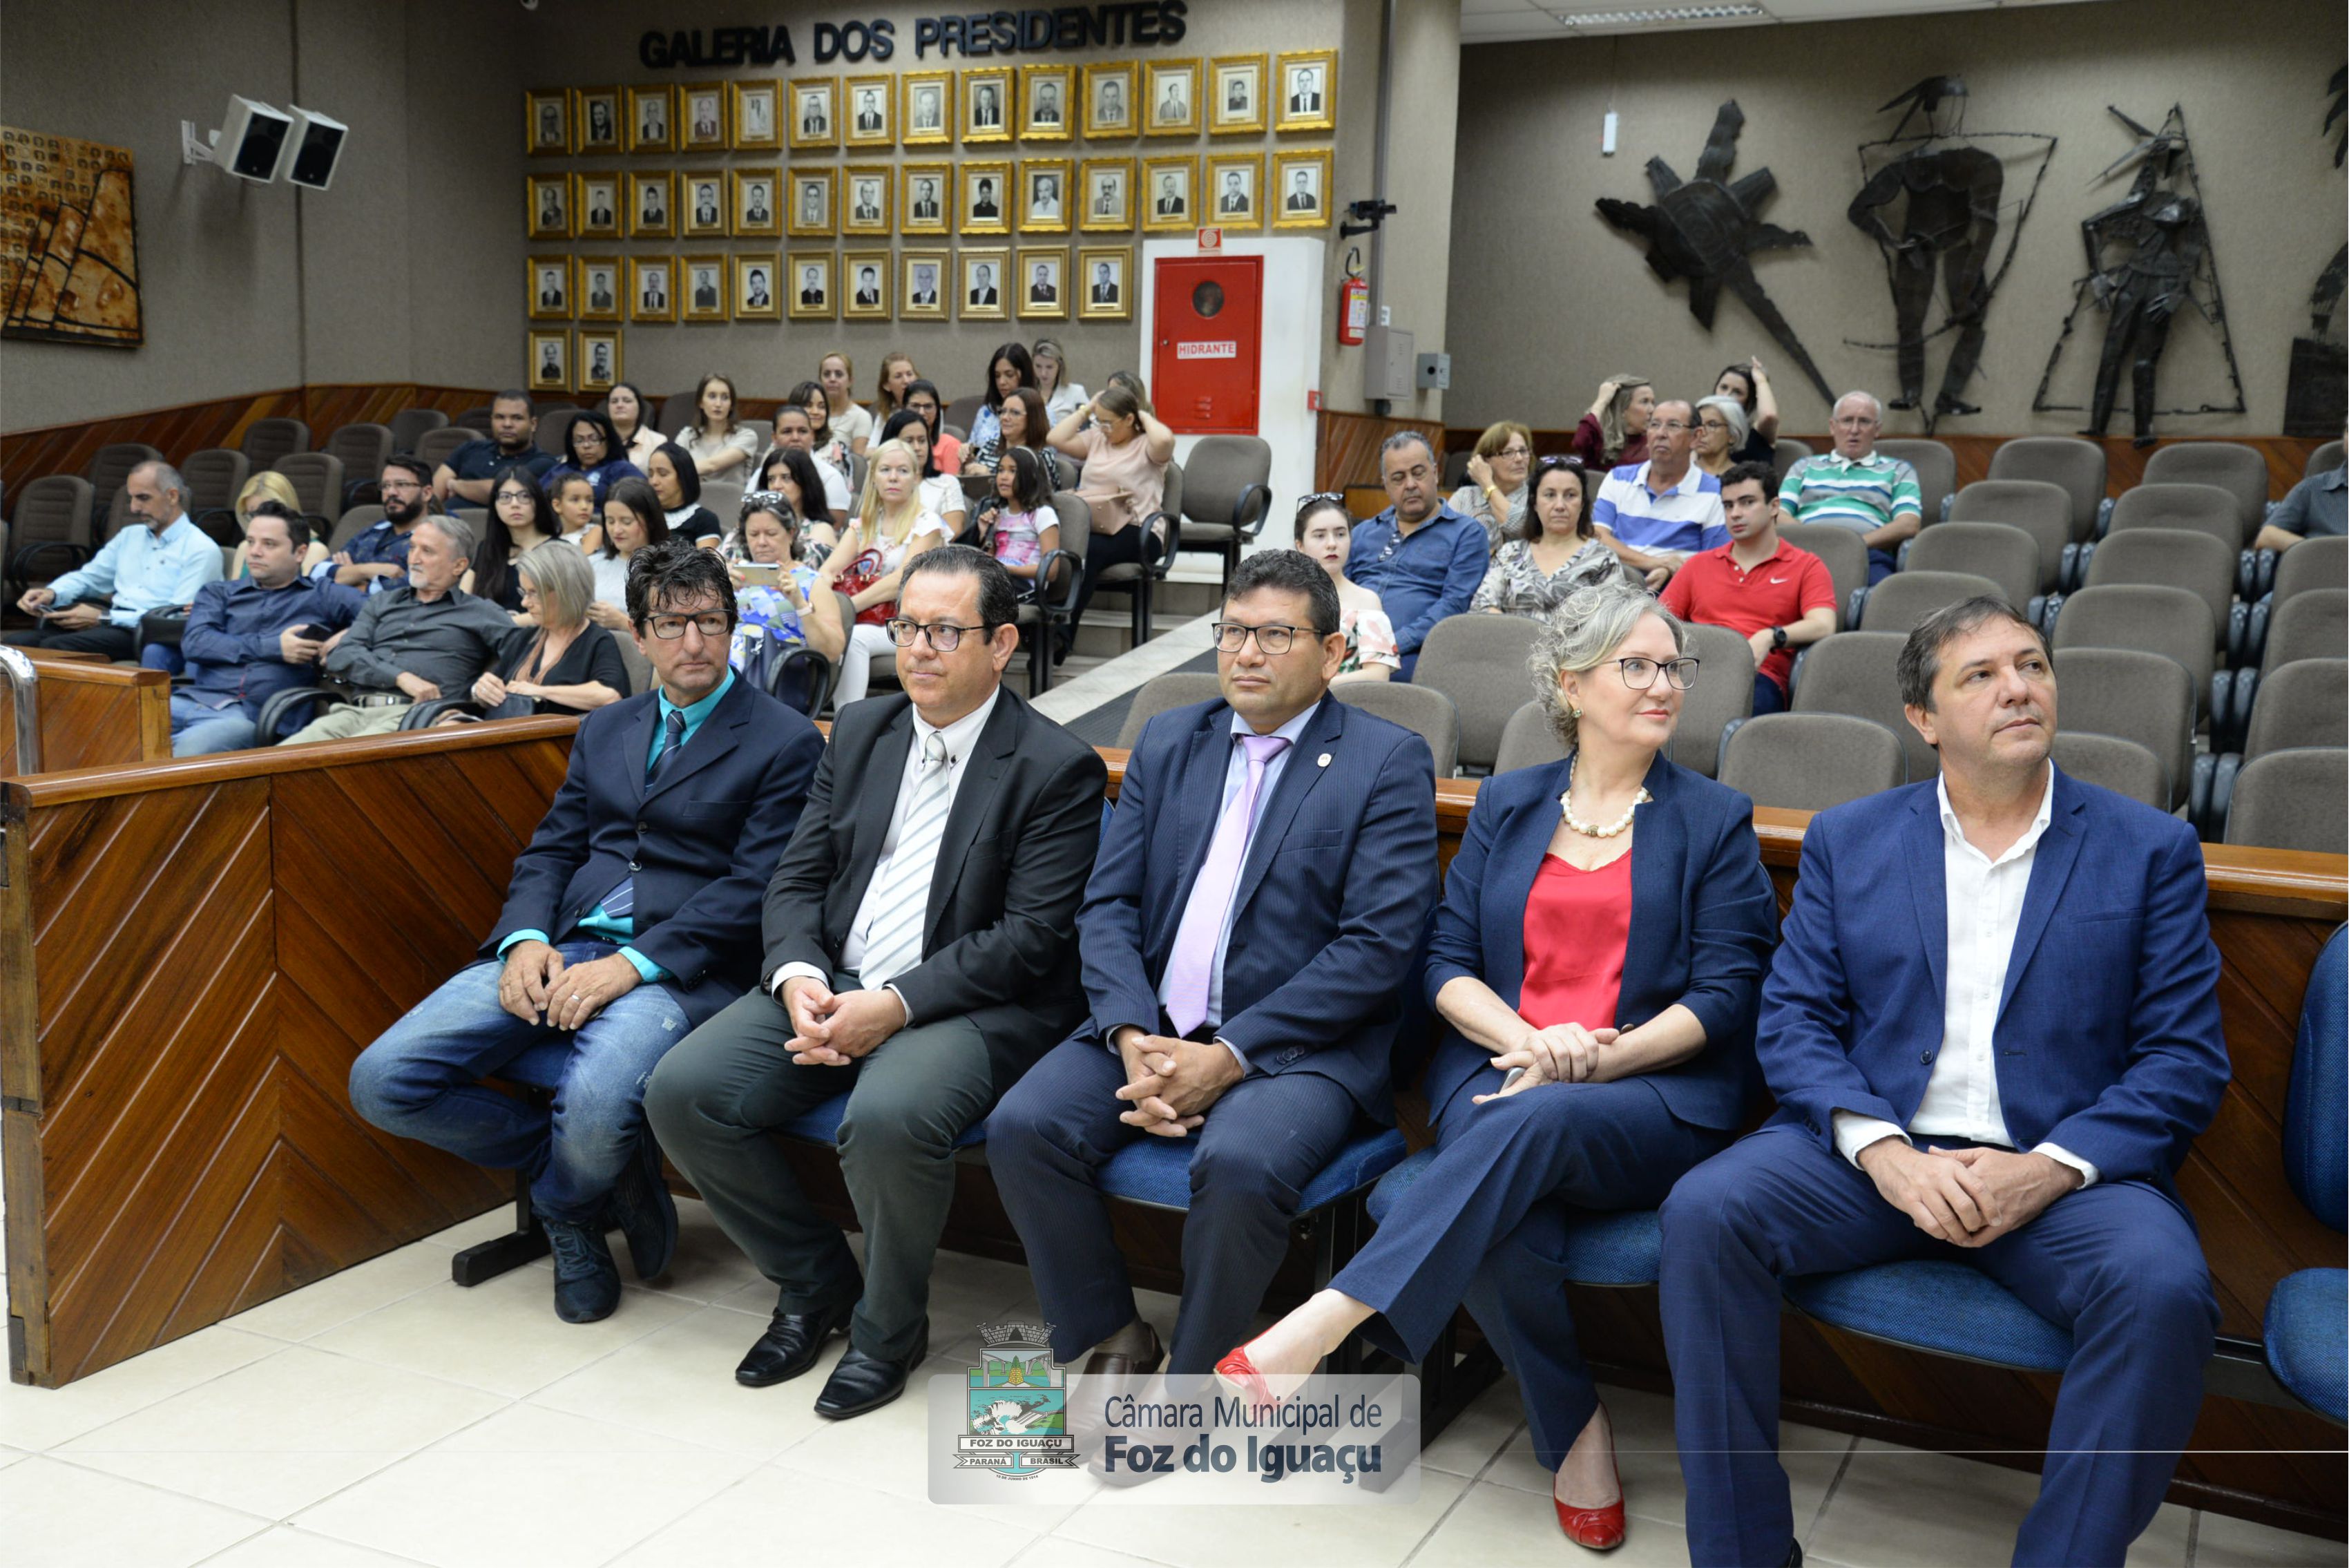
(890,527)
(1325,531)
(1017,523)
(576,510)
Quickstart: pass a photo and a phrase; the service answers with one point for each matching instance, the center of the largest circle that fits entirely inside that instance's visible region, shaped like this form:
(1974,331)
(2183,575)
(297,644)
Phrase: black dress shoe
(1110,1364)
(645,1212)
(587,1281)
(1795,1555)
(861,1382)
(789,1346)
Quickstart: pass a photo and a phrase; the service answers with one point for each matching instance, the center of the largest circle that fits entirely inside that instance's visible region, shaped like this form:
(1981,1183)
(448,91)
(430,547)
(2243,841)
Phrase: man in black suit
(599,206)
(599,290)
(1172,203)
(813,120)
(926,286)
(705,290)
(549,290)
(652,207)
(755,212)
(868,287)
(982,284)
(1104,284)
(1234,200)
(868,201)
(705,205)
(986,114)
(810,286)
(1301,198)
(919,956)
(1305,91)
(1041,290)
(626,923)
(754,295)
(869,113)
(925,200)
(1045,110)
(654,294)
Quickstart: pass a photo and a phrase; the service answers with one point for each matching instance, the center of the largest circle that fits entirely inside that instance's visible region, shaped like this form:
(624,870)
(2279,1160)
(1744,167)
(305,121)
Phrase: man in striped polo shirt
(1852,487)
(1656,515)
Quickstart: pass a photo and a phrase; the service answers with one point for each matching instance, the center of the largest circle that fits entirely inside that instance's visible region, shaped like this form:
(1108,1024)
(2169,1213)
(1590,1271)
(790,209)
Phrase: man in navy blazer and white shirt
(1245,936)
(632,917)
(1992,1030)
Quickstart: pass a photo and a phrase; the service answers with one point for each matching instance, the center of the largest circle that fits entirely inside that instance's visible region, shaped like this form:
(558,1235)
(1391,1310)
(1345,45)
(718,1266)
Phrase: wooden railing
(92,713)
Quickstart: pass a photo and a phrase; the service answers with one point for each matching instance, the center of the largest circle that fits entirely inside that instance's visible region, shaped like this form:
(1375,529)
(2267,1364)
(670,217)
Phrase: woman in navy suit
(1598,958)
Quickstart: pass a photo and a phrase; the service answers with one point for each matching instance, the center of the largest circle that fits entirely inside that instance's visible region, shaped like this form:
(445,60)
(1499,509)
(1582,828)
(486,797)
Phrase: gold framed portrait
(924,283)
(550,361)
(1105,191)
(808,275)
(815,114)
(987,104)
(1043,195)
(1300,197)
(548,278)
(869,118)
(702,209)
(595,205)
(546,122)
(864,204)
(652,288)
(1234,193)
(652,206)
(702,291)
(810,214)
(599,288)
(929,104)
(1305,82)
(1042,279)
(758,293)
(925,198)
(1048,96)
(651,120)
(981,288)
(865,282)
(1172,97)
(757,201)
(595,119)
(1170,193)
(701,116)
(1109,102)
(983,196)
(1235,94)
(1105,282)
(758,115)
(598,364)
(549,197)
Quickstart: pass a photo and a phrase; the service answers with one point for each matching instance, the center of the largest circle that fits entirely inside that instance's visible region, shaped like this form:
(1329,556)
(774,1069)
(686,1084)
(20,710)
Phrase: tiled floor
(384,1417)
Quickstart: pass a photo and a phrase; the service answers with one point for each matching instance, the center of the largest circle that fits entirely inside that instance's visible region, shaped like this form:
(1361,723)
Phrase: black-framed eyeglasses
(710,624)
(1640,674)
(945,635)
(1231,636)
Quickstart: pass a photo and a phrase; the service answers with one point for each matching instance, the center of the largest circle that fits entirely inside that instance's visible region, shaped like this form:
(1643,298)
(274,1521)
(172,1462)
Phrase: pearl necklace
(1614,829)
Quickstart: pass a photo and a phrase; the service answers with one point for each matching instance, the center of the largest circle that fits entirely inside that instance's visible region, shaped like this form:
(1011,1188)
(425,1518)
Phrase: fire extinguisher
(1353,302)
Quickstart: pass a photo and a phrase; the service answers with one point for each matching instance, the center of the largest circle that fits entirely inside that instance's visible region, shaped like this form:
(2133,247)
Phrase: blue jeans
(1881,563)
(421,1080)
(199,732)
(1769,697)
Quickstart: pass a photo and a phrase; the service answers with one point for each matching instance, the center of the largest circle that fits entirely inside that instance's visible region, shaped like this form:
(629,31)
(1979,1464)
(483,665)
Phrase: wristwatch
(1777,638)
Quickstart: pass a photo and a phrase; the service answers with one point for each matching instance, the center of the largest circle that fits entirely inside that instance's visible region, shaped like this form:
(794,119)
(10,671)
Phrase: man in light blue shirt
(158,565)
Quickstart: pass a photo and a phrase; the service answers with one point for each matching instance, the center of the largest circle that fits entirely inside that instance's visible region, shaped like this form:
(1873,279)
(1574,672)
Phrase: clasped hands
(1967,1196)
(831,1029)
(1171,1083)
(1561,1053)
(537,984)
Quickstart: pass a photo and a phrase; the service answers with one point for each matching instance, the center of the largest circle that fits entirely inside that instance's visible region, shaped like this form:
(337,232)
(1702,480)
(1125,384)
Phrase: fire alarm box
(1208,317)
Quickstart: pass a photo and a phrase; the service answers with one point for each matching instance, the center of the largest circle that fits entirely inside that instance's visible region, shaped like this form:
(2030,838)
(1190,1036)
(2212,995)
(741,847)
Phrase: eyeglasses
(1640,674)
(1662,425)
(1231,636)
(945,635)
(397,484)
(1515,451)
(714,624)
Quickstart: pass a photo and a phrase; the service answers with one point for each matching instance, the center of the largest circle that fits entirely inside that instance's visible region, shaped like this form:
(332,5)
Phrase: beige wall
(1547,299)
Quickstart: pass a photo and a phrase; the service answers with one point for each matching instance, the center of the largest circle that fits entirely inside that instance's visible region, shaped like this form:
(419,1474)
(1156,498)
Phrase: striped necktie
(902,899)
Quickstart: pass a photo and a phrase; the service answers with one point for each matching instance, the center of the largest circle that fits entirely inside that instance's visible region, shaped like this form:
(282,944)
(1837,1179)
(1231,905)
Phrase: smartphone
(1514,1075)
(316,633)
(762,573)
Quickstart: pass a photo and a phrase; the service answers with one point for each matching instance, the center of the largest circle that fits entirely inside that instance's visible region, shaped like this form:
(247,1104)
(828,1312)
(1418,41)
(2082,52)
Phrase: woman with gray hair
(561,665)
(1583,1070)
(1721,432)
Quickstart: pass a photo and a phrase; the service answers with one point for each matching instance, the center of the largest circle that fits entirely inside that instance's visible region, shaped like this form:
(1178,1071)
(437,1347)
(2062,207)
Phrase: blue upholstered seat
(1938,1304)
(1623,1248)
(822,1125)
(2306,1346)
(1157,1171)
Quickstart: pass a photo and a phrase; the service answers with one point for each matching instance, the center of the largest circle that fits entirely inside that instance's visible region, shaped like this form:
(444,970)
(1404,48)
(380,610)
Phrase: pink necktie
(1191,969)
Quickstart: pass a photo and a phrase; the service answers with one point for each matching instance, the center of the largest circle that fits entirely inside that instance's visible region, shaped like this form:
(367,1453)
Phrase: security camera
(249,144)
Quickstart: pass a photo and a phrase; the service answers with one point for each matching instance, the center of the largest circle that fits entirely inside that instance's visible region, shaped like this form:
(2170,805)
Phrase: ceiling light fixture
(1661,15)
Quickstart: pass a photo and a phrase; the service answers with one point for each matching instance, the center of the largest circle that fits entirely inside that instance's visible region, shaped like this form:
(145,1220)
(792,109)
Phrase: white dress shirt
(1983,911)
(960,737)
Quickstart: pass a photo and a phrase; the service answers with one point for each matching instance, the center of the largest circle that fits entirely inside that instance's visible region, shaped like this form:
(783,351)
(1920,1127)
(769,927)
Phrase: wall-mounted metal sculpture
(1706,229)
(2316,390)
(1947,184)
(2149,257)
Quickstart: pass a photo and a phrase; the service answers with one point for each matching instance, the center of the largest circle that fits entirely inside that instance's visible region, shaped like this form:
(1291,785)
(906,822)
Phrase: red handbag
(862,574)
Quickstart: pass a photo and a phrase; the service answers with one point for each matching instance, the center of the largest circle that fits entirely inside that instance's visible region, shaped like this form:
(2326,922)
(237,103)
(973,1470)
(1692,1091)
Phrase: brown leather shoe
(1110,1364)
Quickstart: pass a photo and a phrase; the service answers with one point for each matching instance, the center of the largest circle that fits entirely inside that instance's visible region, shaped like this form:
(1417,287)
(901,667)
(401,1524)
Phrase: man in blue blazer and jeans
(1244,937)
(632,917)
(1992,1030)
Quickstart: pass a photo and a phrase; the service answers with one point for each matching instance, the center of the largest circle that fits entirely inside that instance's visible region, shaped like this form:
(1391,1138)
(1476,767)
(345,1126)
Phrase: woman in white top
(632,519)
(794,431)
(850,420)
(623,405)
(890,527)
(941,493)
(824,441)
(1062,397)
(716,445)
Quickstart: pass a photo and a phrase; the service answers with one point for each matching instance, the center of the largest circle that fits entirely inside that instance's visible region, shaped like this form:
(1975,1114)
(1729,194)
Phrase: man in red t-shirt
(1780,596)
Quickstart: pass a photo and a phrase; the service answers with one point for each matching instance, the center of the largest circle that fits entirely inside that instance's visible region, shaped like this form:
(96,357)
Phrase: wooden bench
(92,713)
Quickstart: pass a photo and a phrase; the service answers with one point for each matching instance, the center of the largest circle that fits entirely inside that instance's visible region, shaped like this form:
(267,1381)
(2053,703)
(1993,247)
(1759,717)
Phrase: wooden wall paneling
(93,715)
(1345,447)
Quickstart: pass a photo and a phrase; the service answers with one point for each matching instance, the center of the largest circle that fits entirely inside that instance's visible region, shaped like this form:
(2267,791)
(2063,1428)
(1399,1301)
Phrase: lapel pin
(1324,762)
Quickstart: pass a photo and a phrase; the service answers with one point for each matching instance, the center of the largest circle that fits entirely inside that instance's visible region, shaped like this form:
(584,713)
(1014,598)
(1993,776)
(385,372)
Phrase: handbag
(868,568)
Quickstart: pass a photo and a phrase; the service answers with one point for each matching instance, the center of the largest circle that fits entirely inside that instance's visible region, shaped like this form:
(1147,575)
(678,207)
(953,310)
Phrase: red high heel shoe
(1597,1528)
(1239,1373)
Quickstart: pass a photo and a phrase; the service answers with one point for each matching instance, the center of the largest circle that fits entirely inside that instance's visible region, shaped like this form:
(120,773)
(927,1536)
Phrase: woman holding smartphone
(1582,1071)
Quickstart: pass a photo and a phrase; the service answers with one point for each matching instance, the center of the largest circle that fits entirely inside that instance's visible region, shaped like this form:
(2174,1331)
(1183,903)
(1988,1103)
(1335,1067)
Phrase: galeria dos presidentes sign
(970,33)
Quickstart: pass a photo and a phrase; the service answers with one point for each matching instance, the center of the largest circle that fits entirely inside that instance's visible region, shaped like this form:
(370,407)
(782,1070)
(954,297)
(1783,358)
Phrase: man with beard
(375,558)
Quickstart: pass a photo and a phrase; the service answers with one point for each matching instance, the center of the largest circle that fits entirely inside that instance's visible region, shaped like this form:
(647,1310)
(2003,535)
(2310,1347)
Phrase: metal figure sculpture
(1952,186)
(2149,258)
(2316,389)
(1706,229)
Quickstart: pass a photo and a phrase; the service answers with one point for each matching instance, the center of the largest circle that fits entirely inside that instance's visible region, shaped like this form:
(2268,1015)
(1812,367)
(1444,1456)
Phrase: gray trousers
(716,1100)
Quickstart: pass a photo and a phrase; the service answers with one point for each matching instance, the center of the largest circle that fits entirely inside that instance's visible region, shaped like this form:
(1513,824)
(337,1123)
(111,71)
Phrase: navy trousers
(1488,1224)
(1250,1159)
(2117,1263)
